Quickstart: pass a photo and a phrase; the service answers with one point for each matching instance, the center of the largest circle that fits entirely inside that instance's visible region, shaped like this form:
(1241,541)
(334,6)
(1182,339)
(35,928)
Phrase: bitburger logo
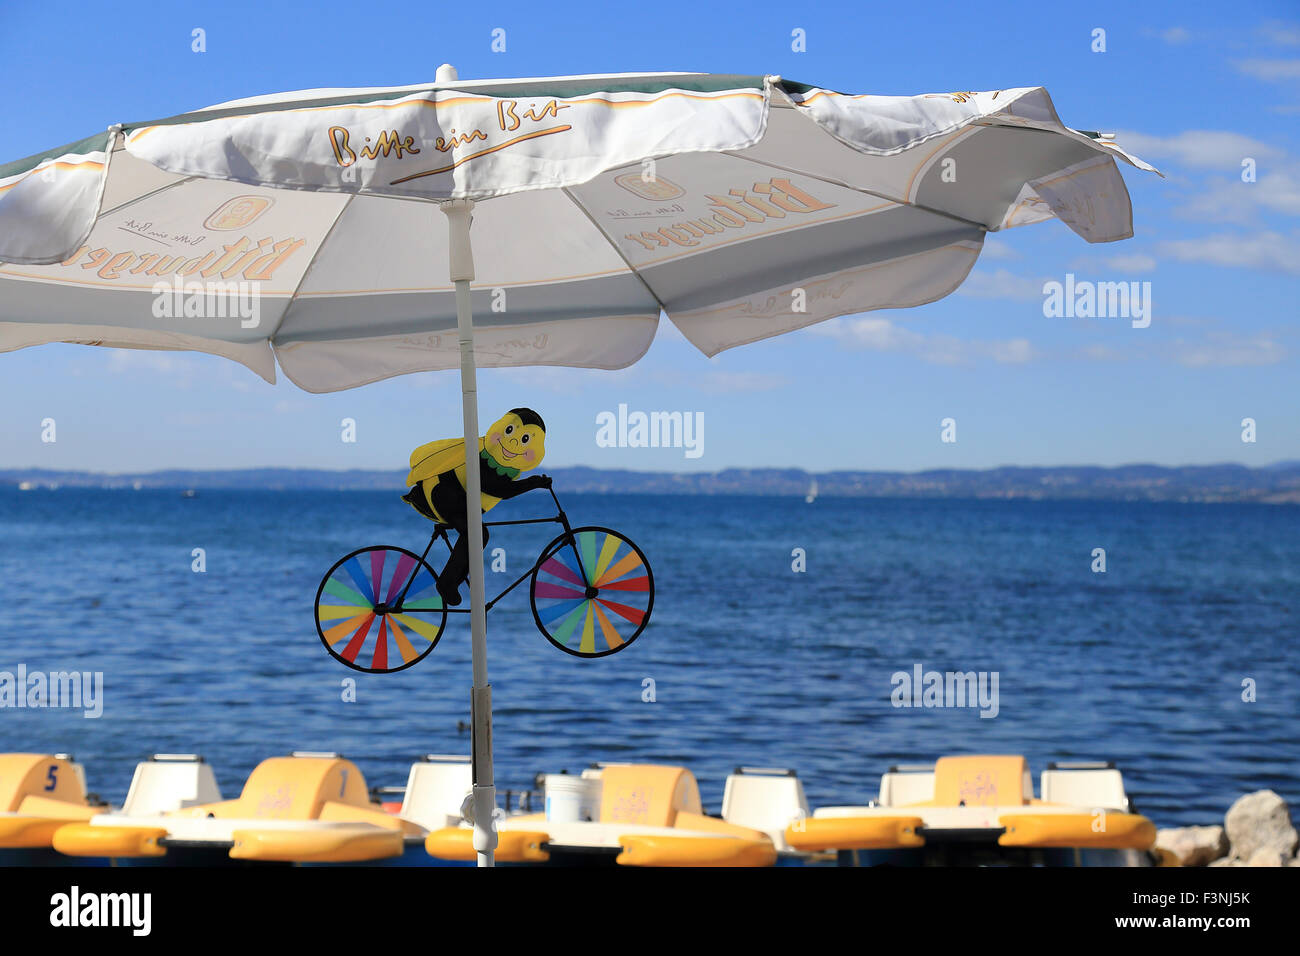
(656,190)
(237,213)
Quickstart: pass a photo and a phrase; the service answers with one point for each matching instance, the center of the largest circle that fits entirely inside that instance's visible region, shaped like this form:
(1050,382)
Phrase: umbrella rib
(149,195)
(613,245)
(293,299)
(857,189)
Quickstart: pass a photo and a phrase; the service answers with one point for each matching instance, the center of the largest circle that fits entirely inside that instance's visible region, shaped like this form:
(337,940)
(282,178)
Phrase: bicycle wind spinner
(382,608)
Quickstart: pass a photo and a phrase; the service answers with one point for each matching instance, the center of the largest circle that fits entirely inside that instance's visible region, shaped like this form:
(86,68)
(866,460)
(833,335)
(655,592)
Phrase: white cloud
(1225,349)
(881,335)
(1281,33)
(1174,36)
(1011,351)
(998,249)
(877,335)
(186,369)
(1271,71)
(1105,353)
(573,381)
(427,380)
(1001,285)
(718,381)
(561,380)
(1231,200)
(134,360)
(1216,350)
(1186,321)
(1136,262)
(1201,148)
(726,381)
(181,370)
(1269,251)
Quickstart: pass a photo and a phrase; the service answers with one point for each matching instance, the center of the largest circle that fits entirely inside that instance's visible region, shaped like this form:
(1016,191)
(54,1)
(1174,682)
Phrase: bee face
(515,444)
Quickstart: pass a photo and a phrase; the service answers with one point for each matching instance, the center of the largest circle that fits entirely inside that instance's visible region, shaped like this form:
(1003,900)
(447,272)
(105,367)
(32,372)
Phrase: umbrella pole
(484,793)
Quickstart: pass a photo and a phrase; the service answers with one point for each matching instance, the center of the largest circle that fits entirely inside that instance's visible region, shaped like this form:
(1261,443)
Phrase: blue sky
(1192,90)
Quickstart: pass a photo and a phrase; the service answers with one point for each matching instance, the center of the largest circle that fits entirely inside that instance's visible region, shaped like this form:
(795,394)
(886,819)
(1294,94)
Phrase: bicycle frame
(440,531)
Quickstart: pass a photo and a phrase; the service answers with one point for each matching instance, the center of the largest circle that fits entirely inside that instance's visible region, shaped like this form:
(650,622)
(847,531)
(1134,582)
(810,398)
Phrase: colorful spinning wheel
(592,592)
(378,610)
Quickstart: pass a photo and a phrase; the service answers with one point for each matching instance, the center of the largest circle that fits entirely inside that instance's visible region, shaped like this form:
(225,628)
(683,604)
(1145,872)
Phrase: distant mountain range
(1279,483)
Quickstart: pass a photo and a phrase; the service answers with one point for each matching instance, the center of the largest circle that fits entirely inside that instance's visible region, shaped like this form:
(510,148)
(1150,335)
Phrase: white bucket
(570,799)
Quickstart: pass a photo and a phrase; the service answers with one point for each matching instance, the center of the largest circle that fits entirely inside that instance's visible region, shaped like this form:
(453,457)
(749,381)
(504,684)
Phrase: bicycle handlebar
(442,527)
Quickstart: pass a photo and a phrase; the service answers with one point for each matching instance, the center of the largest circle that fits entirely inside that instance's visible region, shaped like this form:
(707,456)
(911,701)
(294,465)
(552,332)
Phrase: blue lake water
(752,662)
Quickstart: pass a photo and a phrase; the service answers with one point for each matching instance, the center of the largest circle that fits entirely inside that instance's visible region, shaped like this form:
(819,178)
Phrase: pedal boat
(650,815)
(39,794)
(981,810)
(306,808)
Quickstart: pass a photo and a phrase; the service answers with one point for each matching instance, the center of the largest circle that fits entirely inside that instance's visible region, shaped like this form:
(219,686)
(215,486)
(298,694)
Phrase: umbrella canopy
(300,229)
(708,197)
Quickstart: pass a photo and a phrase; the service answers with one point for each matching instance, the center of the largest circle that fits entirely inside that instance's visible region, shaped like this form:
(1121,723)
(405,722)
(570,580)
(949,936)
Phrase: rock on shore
(1257,831)
(1194,846)
(1260,820)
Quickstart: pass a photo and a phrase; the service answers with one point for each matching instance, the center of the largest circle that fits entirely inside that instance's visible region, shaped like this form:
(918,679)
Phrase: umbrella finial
(446,74)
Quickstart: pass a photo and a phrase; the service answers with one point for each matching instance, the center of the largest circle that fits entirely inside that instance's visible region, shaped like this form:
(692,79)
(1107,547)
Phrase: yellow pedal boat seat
(647,794)
(982,780)
(326,795)
(663,796)
(39,793)
(660,806)
(990,792)
(328,789)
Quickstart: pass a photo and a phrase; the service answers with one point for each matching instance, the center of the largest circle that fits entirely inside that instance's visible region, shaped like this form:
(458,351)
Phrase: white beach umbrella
(299,229)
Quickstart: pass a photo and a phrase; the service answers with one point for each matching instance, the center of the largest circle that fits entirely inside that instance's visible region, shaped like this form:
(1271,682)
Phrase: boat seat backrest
(982,781)
(292,788)
(39,775)
(765,802)
(647,794)
(901,789)
(1085,788)
(80,771)
(160,786)
(435,791)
